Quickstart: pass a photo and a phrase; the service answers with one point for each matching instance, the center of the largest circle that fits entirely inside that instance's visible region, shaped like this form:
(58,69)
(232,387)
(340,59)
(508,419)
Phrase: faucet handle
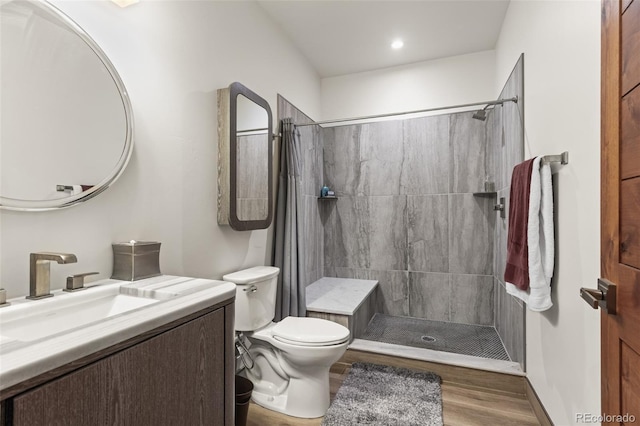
(76,282)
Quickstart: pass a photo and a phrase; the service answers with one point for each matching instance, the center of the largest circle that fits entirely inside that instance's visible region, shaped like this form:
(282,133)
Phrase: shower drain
(428,339)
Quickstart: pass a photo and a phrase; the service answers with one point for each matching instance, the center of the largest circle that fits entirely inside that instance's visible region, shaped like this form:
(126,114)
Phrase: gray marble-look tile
(500,321)
(425,168)
(311,167)
(472,299)
(500,237)
(339,295)
(313,233)
(367,232)
(342,166)
(393,287)
(468,146)
(496,313)
(428,233)
(313,276)
(430,296)
(346,233)
(387,233)
(364,313)
(471,233)
(519,333)
(287,110)
(513,138)
(509,323)
(513,121)
(493,159)
(381,158)
(319,159)
(514,342)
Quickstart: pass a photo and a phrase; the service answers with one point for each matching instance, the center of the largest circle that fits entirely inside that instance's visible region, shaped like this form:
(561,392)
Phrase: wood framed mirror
(245,159)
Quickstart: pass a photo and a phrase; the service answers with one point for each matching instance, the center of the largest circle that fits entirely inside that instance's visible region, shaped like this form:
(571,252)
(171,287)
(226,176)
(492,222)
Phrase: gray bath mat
(382,395)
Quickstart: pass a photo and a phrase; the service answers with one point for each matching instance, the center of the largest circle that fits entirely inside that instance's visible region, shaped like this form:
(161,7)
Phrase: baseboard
(536,405)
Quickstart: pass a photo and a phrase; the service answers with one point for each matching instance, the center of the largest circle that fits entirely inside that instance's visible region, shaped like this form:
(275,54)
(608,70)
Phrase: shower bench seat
(347,301)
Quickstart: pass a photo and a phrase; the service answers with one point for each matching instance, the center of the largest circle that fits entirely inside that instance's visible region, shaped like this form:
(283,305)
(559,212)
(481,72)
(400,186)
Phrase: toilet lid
(309,332)
(251,275)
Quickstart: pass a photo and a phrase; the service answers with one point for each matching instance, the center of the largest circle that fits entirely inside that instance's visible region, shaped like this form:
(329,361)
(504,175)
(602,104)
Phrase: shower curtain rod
(340,120)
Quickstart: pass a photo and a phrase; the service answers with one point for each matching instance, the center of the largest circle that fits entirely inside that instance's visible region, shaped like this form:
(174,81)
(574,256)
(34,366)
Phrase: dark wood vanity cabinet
(181,376)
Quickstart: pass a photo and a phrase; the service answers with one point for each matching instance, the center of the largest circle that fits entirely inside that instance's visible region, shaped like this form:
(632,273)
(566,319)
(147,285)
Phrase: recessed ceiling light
(397,44)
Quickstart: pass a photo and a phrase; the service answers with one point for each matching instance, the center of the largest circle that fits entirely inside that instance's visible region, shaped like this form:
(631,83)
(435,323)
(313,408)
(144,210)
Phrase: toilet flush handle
(252,289)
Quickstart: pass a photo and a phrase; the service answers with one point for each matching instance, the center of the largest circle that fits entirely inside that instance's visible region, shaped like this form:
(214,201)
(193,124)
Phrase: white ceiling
(343,37)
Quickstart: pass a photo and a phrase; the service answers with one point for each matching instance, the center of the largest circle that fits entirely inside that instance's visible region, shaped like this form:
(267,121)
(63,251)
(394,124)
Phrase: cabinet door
(176,378)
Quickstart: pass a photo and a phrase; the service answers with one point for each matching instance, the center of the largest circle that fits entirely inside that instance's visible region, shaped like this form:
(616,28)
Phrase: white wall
(172,57)
(561,45)
(443,82)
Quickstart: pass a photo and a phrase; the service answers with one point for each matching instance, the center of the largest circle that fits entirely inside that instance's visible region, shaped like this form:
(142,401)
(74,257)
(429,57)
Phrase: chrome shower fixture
(481,114)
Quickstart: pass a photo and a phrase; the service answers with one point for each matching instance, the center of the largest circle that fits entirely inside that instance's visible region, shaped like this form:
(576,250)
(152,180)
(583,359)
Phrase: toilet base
(306,399)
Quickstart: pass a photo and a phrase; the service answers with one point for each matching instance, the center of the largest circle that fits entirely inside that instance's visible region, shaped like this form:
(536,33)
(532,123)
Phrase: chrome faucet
(39,277)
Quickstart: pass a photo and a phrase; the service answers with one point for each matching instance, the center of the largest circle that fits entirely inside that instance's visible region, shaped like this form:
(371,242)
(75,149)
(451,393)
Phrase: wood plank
(629,223)
(630,34)
(629,305)
(451,373)
(630,135)
(625,4)
(630,385)
(609,191)
(610,156)
(470,397)
(455,414)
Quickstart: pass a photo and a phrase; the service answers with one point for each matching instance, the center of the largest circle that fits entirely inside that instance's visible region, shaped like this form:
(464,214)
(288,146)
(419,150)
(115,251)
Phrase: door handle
(604,297)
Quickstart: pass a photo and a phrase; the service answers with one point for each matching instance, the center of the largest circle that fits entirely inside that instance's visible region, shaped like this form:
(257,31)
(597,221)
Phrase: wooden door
(620,226)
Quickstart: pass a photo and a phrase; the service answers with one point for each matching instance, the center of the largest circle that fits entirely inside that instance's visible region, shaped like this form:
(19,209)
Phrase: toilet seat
(304,331)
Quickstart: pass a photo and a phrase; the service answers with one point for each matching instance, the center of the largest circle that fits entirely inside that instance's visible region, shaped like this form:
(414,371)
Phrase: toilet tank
(255,296)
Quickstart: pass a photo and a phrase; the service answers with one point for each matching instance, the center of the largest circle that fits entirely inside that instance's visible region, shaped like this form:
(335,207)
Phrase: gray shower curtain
(289,243)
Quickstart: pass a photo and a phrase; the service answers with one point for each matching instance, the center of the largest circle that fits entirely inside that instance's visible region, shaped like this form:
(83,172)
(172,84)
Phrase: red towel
(517,269)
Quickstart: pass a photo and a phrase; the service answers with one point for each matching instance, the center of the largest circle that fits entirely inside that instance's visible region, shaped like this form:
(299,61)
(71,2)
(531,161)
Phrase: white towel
(540,241)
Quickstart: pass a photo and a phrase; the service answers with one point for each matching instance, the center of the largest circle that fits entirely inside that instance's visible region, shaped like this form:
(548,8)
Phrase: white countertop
(341,296)
(178,297)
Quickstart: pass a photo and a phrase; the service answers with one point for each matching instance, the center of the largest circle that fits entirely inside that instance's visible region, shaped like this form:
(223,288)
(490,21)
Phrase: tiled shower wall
(406,215)
(506,130)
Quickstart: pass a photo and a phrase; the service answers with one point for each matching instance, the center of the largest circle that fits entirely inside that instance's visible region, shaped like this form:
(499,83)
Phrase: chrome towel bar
(562,158)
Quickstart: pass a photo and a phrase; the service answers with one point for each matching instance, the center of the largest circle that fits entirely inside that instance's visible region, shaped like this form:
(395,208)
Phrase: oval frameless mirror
(66,123)
(245,159)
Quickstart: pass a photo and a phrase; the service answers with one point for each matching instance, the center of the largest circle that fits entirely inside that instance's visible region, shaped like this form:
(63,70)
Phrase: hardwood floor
(463,405)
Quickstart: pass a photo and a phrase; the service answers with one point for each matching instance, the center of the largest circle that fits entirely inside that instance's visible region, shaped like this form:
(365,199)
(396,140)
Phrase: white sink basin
(37,336)
(53,321)
(43,318)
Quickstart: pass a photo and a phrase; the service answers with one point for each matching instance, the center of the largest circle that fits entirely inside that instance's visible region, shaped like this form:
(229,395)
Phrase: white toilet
(290,360)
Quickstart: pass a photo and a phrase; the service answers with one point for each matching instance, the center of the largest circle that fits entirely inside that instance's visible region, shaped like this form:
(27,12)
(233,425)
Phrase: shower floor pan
(474,340)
